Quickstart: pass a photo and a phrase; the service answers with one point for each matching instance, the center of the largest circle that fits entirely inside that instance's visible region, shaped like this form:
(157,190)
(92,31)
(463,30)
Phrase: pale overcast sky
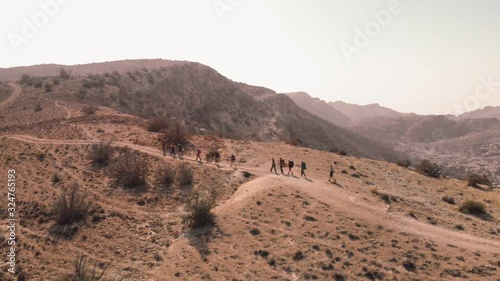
(428,57)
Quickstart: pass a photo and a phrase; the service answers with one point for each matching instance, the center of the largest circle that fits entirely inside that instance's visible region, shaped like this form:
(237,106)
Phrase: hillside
(462,146)
(359,112)
(320,108)
(377,222)
(487,112)
(210,103)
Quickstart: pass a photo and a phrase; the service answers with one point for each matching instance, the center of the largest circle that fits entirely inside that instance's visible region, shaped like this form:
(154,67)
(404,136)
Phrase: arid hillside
(377,221)
(208,102)
(320,108)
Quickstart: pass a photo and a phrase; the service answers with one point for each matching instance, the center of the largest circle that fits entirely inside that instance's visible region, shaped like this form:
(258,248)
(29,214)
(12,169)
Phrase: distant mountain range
(462,144)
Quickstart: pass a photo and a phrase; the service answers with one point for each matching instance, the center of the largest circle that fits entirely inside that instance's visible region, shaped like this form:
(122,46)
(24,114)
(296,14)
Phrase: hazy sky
(424,56)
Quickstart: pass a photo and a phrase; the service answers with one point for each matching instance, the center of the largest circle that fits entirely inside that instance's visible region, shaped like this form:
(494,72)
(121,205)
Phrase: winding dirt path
(68,112)
(13,96)
(341,199)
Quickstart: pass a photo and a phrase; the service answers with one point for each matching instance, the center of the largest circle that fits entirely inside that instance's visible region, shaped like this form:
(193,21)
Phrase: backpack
(291,164)
(304,165)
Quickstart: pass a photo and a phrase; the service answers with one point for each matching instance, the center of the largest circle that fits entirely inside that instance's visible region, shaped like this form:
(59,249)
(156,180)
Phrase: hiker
(179,146)
(172,149)
(331,175)
(282,163)
(217,157)
(233,161)
(163,146)
(303,167)
(290,166)
(273,166)
(198,155)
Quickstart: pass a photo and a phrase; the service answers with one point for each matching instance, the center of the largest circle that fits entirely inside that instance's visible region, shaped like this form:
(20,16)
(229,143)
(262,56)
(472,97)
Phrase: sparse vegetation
(56,178)
(184,174)
(199,209)
(89,109)
(64,74)
(37,107)
(176,134)
(130,170)
(404,163)
(48,87)
(71,205)
(449,200)
(27,80)
(473,208)
(158,124)
(82,272)
(429,168)
(38,84)
(210,155)
(100,153)
(165,177)
(475,180)
(247,174)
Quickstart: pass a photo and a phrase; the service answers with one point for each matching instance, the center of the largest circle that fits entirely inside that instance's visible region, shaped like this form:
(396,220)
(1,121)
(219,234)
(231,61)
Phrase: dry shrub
(71,205)
(404,163)
(210,155)
(473,208)
(176,134)
(90,109)
(184,174)
(100,153)
(199,208)
(475,180)
(158,124)
(82,272)
(429,168)
(165,177)
(130,170)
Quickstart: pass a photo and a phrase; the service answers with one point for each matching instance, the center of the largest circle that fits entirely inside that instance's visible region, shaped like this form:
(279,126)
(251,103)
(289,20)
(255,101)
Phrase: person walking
(273,166)
(282,163)
(233,161)
(179,147)
(331,175)
(163,146)
(172,150)
(303,167)
(217,157)
(290,166)
(198,155)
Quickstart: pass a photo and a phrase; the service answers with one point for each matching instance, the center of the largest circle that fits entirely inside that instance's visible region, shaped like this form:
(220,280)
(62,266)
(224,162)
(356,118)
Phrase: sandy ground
(268,226)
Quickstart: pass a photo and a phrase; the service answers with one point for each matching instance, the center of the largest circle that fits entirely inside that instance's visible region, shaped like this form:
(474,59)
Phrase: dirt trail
(13,96)
(347,202)
(342,200)
(68,112)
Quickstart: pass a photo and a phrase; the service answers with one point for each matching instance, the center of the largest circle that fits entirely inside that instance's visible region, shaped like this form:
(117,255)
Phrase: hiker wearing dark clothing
(172,149)
(302,169)
(164,147)
(198,155)
(233,161)
(217,157)
(282,163)
(273,166)
(290,166)
(179,146)
(331,175)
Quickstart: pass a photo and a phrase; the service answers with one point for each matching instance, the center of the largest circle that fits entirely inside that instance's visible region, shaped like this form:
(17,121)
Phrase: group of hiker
(173,146)
(180,150)
(290,165)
